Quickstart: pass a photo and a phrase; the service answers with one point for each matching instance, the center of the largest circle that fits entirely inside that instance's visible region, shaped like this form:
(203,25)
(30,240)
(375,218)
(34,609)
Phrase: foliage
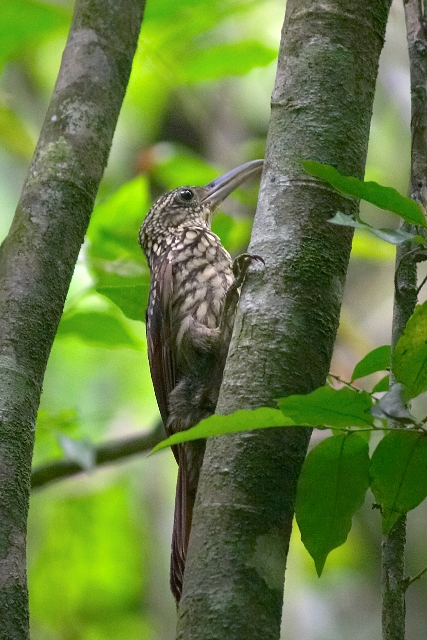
(200,87)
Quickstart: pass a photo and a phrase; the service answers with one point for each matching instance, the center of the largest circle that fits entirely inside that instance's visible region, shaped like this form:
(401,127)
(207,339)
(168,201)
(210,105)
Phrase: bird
(194,292)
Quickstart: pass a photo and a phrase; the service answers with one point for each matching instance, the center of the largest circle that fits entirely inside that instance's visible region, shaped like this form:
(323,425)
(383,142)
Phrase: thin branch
(419,575)
(114,451)
(393,544)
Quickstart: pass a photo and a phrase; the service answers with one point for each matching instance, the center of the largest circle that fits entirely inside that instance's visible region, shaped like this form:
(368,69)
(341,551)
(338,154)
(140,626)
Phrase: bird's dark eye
(186,194)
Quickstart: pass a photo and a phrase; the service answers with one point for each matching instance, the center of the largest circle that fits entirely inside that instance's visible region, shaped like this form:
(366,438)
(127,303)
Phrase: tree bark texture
(38,256)
(287,320)
(393,582)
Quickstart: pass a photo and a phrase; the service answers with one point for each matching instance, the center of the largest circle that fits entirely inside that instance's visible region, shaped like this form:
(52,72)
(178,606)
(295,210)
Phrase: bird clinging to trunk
(194,291)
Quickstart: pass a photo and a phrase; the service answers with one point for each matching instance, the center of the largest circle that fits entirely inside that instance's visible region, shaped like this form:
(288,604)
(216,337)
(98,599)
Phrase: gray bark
(287,320)
(38,256)
(393,582)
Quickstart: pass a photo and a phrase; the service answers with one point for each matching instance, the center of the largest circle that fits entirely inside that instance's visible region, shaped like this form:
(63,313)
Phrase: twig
(419,575)
(116,450)
(393,544)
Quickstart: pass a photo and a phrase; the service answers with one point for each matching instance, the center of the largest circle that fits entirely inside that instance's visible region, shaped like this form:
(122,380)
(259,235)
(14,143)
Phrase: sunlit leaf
(382,385)
(102,329)
(179,168)
(24,22)
(325,406)
(410,354)
(114,225)
(376,360)
(125,283)
(392,236)
(383,197)
(226,60)
(332,486)
(399,474)
(243,420)
(131,298)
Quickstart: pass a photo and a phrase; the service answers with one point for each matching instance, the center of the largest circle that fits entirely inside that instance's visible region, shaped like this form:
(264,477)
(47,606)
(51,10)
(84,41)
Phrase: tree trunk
(288,317)
(37,258)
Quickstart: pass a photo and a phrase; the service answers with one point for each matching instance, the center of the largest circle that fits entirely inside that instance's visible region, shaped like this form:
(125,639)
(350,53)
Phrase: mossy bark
(287,320)
(38,256)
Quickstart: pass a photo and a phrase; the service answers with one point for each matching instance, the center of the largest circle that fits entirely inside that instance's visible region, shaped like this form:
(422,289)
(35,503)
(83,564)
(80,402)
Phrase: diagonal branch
(105,453)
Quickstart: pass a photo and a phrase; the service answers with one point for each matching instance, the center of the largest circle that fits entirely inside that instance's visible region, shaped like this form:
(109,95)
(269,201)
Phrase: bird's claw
(242,263)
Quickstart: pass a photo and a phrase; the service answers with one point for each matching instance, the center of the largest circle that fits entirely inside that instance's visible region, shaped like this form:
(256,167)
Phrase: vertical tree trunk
(37,258)
(405,298)
(288,317)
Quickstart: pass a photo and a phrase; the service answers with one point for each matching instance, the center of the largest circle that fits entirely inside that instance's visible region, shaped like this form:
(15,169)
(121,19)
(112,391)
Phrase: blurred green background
(197,105)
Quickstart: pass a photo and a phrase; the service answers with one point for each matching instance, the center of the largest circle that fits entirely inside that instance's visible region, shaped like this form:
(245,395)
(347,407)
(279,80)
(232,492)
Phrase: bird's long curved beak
(216,191)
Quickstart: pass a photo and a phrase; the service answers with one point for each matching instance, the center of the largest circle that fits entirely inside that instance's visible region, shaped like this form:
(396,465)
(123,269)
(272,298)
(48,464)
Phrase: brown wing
(159,337)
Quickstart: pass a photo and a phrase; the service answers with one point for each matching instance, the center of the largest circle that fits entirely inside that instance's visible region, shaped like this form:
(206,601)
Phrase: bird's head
(193,206)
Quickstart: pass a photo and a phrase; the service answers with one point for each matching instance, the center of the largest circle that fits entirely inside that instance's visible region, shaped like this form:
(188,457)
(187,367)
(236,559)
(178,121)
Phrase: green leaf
(243,420)
(397,236)
(114,256)
(345,220)
(383,197)
(376,360)
(130,297)
(114,225)
(25,22)
(223,60)
(399,474)
(392,236)
(332,486)
(339,408)
(382,385)
(180,167)
(410,354)
(126,283)
(102,329)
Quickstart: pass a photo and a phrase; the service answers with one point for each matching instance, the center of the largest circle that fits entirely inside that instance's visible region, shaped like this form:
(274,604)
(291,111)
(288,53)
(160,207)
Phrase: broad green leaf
(397,236)
(126,283)
(243,420)
(114,256)
(102,329)
(392,236)
(332,486)
(180,167)
(346,220)
(226,60)
(382,385)
(410,354)
(130,297)
(399,474)
(24,22)
(114,225)
(383,197)
(376,360)
(339,408)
